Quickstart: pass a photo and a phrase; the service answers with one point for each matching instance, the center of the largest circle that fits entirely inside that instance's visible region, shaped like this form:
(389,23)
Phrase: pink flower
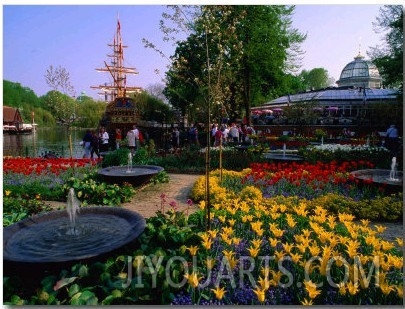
(189,202)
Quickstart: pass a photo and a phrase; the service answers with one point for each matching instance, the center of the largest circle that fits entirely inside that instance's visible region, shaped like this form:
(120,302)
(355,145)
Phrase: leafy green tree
(249,50)
(389,57)
(62,106)
(317,78)
(89,113)
(152,108)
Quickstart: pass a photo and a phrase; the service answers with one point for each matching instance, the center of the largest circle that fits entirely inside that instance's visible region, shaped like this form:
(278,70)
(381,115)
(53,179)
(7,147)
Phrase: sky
(75,37)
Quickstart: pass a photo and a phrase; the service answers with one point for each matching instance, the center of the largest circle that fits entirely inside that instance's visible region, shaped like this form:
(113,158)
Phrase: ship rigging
(117,70)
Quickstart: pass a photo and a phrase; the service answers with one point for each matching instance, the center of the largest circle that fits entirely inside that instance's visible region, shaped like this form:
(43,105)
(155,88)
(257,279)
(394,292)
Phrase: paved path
(148,200)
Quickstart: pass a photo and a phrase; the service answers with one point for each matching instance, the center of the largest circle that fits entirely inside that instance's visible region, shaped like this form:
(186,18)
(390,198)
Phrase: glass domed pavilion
(359,87)
(360,73)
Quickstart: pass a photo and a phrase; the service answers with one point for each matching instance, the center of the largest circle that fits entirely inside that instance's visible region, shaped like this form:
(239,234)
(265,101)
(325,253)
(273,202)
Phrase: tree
(317,78)
(59,79)
(62,106)
(389,57)
(249,50)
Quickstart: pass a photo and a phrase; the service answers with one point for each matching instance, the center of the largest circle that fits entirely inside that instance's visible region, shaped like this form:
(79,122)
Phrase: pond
(44,140)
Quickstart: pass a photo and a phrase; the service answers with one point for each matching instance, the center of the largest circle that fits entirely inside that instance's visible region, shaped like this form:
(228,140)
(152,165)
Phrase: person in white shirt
(103,136)
(234,132)
(136,133)
(131,141)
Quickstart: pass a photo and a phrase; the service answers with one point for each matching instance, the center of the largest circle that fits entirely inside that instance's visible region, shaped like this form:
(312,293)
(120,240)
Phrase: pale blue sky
(76,37)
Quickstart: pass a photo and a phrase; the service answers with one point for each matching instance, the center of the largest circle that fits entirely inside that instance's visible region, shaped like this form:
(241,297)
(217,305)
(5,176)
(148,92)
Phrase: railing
(32,152)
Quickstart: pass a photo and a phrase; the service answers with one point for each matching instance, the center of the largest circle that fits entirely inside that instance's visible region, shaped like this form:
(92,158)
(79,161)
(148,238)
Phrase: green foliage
(106,282)
(316,78)
(17,207)
(389,58)
(61,106)
(161,177)
(376,155)
(117,157)
(89,113)
(89,191)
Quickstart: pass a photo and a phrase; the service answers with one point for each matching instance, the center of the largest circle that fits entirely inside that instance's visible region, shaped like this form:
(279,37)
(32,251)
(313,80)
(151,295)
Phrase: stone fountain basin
(42,238)
(380,176)
(138,175)
(282,157)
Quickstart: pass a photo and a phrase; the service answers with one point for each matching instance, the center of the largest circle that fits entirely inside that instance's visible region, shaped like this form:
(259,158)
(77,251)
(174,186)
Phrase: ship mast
(117,70)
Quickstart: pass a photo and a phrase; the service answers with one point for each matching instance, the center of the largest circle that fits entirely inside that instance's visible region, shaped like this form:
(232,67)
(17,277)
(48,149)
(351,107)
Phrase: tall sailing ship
(121,111)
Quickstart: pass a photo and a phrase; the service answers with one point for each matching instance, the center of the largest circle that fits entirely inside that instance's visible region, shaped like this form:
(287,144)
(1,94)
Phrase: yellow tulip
(210,262)
(7,192)
(219,292)
(207,244)
(342,288)
(311,289)
(400,291)
(385,288)
(193,250)
(261,294)
(254,251)
(400,241)
(192,279)
(264,283)
(380,228)
(352,288)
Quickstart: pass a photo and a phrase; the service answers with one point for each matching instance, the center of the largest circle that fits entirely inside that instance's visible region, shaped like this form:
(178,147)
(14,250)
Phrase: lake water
(43,140)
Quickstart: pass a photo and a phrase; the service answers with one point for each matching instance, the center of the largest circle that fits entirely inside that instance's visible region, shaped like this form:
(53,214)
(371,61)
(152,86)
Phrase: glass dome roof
(360,68)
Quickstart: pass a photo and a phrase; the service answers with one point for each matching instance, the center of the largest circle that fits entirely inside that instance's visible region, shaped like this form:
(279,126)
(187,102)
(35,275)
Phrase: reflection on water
(43,140)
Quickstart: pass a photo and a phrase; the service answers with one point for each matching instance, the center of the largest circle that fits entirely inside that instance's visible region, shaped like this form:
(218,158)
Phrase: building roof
(11,114)
(339,95)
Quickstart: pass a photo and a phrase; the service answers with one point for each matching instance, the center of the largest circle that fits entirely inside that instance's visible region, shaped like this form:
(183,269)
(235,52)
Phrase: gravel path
(148,199)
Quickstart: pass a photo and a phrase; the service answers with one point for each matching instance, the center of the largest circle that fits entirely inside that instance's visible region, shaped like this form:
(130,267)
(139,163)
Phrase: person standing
(87,144)
(175,138)
(136,133)
(234,132)
(118,138)
(103,136)
(391,138)
(131,141)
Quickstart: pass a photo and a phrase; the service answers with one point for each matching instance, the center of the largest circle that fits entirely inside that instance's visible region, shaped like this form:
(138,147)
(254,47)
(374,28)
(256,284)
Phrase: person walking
(94,145)
(87,144)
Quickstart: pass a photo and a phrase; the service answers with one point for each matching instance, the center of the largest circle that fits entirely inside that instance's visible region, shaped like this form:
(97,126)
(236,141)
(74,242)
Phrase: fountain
(276,156)
(389,177)
(134,174)
(62,236)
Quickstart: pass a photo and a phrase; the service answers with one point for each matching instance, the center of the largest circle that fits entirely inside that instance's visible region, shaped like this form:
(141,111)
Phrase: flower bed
(262,247)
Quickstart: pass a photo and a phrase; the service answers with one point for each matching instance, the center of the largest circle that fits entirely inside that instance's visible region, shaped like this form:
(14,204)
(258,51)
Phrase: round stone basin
(47,237)
(282,157)
(379,176)
(137,175)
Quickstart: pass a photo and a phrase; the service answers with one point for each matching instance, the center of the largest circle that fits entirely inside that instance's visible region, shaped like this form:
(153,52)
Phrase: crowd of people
(224,134)
(98,142)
